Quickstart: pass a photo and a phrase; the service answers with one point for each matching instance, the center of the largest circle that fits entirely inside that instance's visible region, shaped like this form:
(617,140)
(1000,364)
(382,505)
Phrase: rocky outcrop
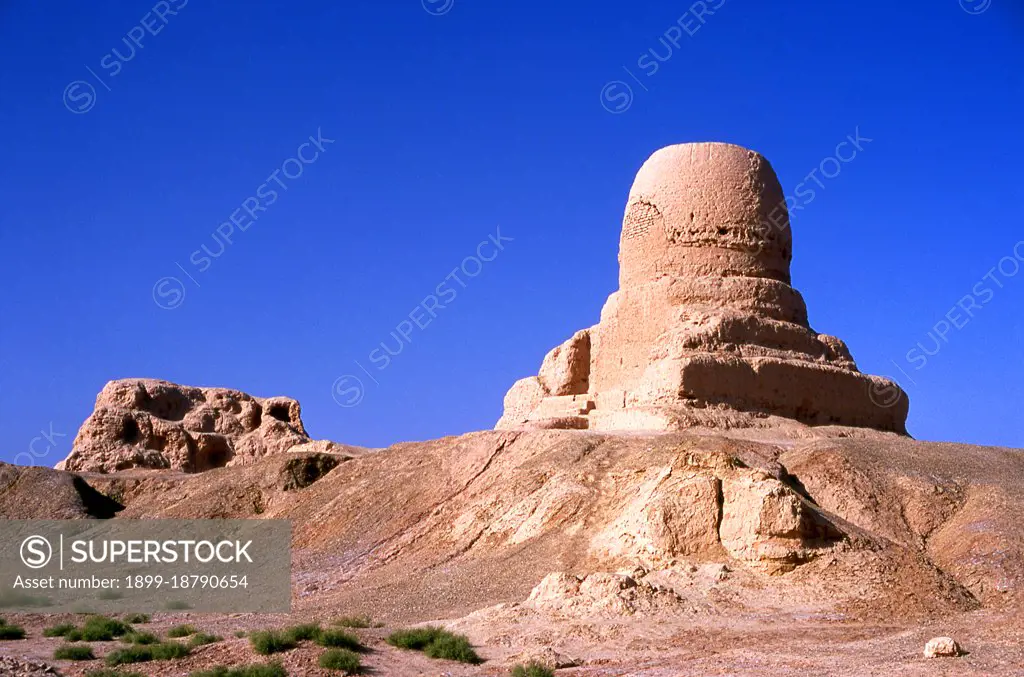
(705,329)
(146,423)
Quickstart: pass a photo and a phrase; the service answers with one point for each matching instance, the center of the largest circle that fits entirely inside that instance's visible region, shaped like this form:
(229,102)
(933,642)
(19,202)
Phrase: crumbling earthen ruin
(147,423)
(705,329)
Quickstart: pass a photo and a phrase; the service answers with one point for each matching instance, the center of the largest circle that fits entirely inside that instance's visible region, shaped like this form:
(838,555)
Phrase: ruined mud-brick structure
(705,329)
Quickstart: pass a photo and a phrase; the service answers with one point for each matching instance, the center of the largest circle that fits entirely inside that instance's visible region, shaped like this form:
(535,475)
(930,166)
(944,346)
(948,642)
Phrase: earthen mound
(41,493)
(683,553)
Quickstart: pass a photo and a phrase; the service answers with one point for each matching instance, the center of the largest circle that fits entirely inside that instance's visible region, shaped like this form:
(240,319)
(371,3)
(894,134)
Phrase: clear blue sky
(449,121)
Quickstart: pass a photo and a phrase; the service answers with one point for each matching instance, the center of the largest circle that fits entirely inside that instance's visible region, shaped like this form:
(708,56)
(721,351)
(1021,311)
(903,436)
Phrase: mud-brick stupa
(705,329)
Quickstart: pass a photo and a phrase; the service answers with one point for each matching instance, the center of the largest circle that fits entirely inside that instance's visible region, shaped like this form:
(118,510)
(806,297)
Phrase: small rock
(550,658)
(942,647)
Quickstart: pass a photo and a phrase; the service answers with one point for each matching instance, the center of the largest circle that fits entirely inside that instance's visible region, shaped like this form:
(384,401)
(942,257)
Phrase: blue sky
(437,125)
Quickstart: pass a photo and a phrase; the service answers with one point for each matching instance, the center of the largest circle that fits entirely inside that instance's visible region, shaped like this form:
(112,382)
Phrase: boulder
(942,647)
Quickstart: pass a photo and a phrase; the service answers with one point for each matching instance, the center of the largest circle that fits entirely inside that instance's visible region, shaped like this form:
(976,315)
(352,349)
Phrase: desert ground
(610,554)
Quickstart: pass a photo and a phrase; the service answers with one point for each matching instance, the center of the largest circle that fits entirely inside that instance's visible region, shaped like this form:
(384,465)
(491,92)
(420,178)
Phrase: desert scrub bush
(266,642)
(165,651)
(353,622)
(74,652)
(103,672)
(181,631)
(340,659)
(339,639)
(416,639)
(304,632)
(240,633)
(532,669)
(435,643)
(201,638)
(136,618)
(452,647)
(11,631)
(135,637)
(59,630)
(136,653)
(102,629)
(142,653)
(262,670)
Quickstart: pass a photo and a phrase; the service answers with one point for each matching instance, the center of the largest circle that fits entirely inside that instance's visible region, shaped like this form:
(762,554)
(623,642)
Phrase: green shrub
(240,633)
(139,653)
(74,635)
(354,622)
(453,648)
(340,659)
(201,638)
(416,639)
(436,643)
(339,639)
(532,669)
(74,652)
(136,653)
(181,631)
(103,672)
(11,631)
(135,637)
(266,642)
(304,632)
(136,618)
(59,630)
(166,651)
(264,670)
(103,629)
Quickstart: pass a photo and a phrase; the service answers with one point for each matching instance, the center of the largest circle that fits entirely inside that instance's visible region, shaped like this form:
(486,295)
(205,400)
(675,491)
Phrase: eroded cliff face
(705,329)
